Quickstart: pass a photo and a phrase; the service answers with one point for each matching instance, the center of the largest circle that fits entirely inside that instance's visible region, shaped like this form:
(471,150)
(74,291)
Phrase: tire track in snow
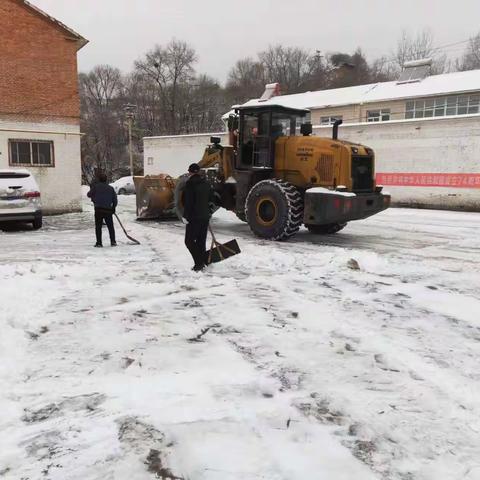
(387,367)
(405,373)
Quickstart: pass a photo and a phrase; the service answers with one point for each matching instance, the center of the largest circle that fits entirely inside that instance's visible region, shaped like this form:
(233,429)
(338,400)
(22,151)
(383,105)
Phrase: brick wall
(38,67)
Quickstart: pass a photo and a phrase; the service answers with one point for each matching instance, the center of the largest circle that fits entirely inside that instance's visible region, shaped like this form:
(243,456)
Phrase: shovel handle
(215,244)
(211,233)
(134,240)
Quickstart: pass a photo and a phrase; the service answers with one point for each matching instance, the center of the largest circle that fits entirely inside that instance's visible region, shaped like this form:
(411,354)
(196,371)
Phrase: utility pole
(130,114)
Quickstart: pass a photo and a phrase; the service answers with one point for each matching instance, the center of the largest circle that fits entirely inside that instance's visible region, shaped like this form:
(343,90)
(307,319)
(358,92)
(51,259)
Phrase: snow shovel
(135,241)
(219,252)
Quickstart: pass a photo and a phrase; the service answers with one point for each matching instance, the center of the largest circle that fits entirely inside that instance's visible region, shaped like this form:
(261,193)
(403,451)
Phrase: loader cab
(259,128)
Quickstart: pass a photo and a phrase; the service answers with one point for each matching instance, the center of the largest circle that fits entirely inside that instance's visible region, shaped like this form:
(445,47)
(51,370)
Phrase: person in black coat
(105,200)
(196,200)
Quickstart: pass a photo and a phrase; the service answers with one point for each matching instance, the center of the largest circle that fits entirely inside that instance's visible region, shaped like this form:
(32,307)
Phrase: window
(330,120)
(429,108)
(462,105)
(409,109)
(255,140)
(452,106)
(283,125)
(440,104)
(31,152)
(443,106)
(382,115)
(474,104)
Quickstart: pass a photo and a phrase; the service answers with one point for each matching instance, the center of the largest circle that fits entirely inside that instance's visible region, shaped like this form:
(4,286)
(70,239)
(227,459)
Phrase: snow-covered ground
(353,356)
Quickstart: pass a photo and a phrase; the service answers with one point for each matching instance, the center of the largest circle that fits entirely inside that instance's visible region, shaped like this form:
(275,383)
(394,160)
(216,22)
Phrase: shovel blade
(222,252)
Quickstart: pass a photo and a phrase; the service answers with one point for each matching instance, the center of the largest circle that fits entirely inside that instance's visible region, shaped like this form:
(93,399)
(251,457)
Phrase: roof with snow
(445,84)
(81,41)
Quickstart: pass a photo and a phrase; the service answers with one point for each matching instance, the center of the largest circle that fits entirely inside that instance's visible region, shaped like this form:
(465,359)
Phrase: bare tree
(383,70)
(289,66)
(246,80)
(103,145)
(171,69)
(471,57)
(320,68)
(144,93)
(102,85)
(204,106)
(418,47)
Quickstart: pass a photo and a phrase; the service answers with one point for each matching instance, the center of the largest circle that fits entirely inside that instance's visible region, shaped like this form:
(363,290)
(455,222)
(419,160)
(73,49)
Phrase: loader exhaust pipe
(335,129)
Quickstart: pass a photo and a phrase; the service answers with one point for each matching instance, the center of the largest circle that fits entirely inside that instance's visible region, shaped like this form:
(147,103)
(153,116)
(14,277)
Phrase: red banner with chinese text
(452,180)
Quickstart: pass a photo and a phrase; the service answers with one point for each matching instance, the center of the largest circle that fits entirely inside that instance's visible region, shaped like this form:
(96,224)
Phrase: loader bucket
(155,197)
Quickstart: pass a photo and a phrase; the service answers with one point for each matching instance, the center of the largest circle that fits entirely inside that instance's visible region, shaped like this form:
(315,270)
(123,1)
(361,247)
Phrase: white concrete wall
(172,155)
(443,145)
(59,185)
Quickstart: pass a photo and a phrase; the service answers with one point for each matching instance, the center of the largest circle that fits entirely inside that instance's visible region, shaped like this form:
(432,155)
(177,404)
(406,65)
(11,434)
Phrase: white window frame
(443,106)
(379,115)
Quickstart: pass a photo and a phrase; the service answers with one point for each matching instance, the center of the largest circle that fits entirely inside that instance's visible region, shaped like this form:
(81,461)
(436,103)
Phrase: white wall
(443,145)
(172,155)
(59,185)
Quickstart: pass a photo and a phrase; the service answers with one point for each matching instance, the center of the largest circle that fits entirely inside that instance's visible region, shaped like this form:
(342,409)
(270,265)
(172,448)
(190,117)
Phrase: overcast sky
(222,31)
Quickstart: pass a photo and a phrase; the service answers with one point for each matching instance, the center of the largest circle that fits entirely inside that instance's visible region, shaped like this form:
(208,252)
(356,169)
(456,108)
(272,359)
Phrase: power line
(452,44)
(443,48)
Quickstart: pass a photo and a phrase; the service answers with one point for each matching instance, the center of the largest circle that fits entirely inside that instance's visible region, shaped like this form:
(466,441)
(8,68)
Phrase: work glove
(184,220)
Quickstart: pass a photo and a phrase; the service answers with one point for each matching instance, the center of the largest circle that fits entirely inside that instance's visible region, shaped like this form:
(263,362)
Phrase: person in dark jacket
(196,200)
(105,200)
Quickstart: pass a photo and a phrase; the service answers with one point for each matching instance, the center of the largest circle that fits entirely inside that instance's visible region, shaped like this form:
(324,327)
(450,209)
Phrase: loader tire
(326,229)
(274,209)
(178,198)
(178,195)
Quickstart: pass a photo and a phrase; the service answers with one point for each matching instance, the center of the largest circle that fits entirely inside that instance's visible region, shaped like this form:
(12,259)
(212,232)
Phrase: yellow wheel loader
(275,175)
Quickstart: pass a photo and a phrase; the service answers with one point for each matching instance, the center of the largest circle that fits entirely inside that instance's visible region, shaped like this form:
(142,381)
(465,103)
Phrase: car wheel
(37,223)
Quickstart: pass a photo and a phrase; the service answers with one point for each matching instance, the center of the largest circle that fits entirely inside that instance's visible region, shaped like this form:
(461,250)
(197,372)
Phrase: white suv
(20,198)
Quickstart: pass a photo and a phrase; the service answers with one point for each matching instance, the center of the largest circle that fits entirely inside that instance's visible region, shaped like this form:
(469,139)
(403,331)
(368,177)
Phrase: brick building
(39,102)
